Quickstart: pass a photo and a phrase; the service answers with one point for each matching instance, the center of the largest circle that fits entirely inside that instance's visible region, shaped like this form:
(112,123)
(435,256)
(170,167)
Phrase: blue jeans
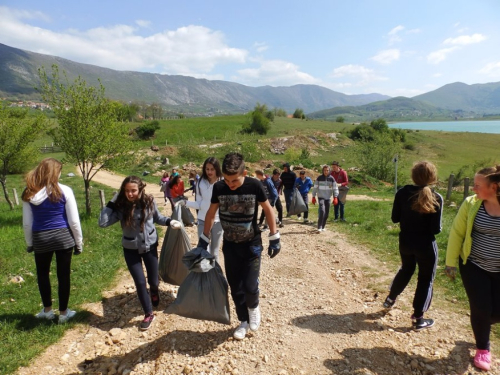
(242,266)
(134,263)
(337,208)
(215,237)
(288,198)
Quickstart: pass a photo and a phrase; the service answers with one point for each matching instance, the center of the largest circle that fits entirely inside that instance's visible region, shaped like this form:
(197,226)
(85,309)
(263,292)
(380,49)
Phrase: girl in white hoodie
(210,175)
(51,226)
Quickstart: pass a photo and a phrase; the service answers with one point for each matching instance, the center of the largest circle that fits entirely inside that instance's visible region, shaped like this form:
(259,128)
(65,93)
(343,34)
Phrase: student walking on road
(418,210)
(278,184)
(51,226)
(304,184)
(342,181)
(137,213)
(288,178)
(325,188)
(237,198)
(474,244)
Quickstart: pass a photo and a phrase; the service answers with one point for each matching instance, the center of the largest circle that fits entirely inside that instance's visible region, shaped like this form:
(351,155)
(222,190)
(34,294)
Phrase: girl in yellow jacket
(474,244)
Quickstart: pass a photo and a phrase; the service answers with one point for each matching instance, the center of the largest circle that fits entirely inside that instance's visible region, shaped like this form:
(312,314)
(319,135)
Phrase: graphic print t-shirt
(238,210)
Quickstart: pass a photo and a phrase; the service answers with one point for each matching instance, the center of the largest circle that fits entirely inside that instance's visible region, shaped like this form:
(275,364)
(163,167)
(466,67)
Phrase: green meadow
(368,222)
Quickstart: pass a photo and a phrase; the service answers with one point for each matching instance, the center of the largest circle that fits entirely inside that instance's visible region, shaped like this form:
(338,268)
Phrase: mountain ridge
(19,76)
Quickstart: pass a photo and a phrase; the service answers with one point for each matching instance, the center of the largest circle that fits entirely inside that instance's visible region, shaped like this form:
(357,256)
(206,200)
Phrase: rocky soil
(321,301)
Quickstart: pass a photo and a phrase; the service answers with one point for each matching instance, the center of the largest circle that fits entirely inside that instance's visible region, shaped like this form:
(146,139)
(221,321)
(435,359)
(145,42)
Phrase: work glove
(29,249)
(203,242)
(314,200)
(111,203)
(174,224)
(274,245)
(335,201)
(451,272)
(78,249)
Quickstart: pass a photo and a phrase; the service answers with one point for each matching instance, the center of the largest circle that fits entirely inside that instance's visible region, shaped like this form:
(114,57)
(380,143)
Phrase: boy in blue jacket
(304,184)
(271,193)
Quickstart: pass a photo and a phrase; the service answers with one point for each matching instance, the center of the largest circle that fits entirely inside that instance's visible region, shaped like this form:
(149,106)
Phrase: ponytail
(426,201)
(423,174)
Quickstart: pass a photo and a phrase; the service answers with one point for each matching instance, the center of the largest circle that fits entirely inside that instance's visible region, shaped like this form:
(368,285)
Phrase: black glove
(29,249)
(274,245)
(78,249)
(203,241)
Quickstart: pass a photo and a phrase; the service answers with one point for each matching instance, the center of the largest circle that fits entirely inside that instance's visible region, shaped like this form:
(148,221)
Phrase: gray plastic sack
(343,193)
(175,245)
(204,293)
(297,206)
(187,217)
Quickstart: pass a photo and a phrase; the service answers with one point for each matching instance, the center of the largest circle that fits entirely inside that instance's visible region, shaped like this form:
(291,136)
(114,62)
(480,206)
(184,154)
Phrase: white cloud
(414,31)
(387,56)
(260,46)
(491,69)
(190,50)
(361,75)
(143,23)
(276,73)
(440,55)
(393,34)
(465,39)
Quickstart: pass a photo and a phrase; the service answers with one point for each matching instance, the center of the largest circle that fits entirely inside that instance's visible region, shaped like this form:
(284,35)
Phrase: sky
(391,47)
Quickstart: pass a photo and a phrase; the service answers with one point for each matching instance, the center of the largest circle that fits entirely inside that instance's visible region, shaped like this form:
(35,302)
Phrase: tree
(299,113)
(260,119)
(340,119)
(148,129)
(17,134)
(88,131)
(379,125)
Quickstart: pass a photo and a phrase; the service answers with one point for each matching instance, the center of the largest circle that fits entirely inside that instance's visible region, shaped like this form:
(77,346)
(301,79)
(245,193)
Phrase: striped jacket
(325,187)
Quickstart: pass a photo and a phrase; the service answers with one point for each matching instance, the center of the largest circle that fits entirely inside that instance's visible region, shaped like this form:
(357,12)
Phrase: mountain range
(19,77)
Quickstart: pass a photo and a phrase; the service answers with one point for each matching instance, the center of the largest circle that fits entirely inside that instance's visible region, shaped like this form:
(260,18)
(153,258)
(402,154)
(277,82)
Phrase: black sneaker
(155,299)
(422,323)
(388,303)
(146,323)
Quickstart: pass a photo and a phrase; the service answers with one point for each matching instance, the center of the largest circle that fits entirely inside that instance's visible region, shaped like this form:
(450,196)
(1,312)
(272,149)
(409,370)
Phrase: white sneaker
(323,229)
(241,331)
(64,318)
(319,230)
(49,315)
(254,317)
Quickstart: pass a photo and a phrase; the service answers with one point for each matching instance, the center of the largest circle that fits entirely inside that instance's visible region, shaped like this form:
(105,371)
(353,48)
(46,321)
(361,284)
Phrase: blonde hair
(492,174)
(424,174)
(45,175)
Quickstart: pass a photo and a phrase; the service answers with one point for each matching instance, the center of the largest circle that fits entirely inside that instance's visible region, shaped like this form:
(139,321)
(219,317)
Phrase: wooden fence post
(450,186)
(466,187)
(16,198)
(102,198)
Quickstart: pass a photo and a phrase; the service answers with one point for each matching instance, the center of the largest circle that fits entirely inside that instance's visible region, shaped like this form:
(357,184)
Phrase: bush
(340,119)
(192,153)
(147,130)
(377,157)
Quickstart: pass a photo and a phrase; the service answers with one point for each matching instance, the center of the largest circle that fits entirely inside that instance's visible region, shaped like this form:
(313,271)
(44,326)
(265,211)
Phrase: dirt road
(321,301)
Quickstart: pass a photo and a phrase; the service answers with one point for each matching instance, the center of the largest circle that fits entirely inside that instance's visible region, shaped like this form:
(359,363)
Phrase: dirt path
(321,304)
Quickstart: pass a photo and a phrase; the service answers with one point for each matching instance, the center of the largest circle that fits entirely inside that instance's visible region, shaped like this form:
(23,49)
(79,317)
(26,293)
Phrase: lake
(452,126)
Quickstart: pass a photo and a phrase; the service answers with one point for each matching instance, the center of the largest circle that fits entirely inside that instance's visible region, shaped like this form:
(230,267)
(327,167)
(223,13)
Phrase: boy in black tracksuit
(237,198)
(417,244)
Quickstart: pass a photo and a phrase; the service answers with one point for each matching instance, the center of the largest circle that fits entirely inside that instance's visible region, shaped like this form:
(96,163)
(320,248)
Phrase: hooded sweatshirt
(415,226)
(40,214)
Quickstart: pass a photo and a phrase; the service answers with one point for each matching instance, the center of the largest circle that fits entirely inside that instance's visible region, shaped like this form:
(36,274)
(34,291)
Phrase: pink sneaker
(482,359)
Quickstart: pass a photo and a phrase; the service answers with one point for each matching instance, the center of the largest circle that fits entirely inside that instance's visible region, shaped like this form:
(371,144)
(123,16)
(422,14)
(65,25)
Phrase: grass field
(368,221)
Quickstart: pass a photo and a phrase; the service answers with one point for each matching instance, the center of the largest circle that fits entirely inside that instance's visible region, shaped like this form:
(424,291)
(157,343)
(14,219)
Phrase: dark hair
(233,164)
(173,181)
(215,163)
(492,174)
(276,171)
(423,174)
(145,202)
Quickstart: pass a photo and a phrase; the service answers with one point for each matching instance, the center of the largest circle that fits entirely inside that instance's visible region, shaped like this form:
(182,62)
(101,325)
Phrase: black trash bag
(297,206)
(175,245)
(204,293)
(187,217)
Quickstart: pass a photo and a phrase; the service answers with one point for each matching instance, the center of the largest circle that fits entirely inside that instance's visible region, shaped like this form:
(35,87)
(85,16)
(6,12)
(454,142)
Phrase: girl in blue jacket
(137,213)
